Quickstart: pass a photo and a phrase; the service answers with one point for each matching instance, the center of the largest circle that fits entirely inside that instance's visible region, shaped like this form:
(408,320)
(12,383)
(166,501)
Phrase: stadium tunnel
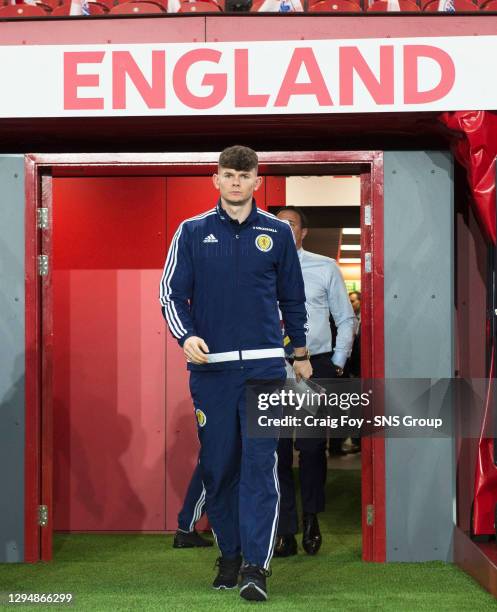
(115,190)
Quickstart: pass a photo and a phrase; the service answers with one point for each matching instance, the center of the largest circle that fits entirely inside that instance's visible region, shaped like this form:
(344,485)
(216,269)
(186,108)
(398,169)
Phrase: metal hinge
(42,516)
(42,218)
(367,262)
(42,265)
(367,214)
(369,514)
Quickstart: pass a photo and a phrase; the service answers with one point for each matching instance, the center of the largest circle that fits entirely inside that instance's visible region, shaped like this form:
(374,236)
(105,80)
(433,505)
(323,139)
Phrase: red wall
(109,354)
(125,442)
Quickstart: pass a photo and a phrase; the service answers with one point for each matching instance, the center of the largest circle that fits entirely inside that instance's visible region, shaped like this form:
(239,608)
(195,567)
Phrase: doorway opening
(110,409)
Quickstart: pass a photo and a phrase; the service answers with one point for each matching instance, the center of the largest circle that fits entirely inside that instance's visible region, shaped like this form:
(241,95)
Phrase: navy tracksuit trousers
(239,474)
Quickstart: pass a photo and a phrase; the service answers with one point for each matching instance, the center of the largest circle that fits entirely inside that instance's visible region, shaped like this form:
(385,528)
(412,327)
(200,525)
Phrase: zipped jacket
(224,281)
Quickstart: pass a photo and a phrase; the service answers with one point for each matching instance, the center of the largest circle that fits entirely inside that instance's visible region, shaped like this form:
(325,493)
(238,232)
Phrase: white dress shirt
(357,324)
(326,293)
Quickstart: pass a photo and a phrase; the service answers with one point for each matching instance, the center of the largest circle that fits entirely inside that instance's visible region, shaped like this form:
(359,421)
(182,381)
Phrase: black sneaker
(189,539)
(253,583)
(227,575)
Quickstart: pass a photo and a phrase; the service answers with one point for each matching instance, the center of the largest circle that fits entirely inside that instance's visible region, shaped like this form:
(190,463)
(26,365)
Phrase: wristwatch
(338,369)
(303,357)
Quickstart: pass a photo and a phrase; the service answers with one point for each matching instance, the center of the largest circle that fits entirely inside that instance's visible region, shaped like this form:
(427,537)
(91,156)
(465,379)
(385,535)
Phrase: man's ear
(215,180)
(304,232)
(258,183)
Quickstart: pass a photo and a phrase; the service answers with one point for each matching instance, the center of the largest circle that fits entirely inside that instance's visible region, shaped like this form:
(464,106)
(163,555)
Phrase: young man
(326,293)
(225,274)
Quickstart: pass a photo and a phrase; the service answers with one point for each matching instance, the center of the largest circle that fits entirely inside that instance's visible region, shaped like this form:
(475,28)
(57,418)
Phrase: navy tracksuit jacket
(223,281)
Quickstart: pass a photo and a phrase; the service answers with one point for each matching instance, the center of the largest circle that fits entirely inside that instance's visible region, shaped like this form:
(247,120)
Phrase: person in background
(355,357)
(353,445)
(193,508)
(281,6)
(325,294)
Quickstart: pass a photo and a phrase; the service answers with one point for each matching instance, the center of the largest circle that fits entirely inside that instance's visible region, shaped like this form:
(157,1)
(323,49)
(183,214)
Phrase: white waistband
(250,354)
(263,353)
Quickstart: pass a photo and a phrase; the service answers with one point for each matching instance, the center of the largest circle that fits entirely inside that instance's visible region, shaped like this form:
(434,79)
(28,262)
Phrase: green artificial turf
(143,572)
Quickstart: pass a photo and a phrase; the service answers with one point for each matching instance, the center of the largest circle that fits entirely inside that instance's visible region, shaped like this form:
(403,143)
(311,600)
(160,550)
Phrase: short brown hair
(239,158)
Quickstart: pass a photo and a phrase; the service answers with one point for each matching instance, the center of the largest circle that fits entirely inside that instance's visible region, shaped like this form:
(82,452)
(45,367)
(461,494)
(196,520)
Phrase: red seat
(46,7)
(61,11)
(460,6)
(199,6)
(490,6)
(95,8)
(22,10)
(53,4)
(313,2)
(335,6)
(108,3)
(133,8)
(219,3)
(406,6)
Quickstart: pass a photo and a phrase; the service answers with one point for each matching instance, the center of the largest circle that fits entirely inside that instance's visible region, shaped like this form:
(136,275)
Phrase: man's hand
(302,369)
(195,350)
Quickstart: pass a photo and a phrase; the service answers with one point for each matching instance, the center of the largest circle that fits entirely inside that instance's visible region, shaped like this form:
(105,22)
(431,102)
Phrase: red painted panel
(109,354)
(32,364)
(275,190)
(319,27)
(175,28)
(46,438)
(186,197)
(109,223)
(102,31)
(374,323)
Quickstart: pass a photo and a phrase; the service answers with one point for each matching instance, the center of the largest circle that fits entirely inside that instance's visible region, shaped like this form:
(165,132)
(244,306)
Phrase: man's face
(236,186)
(356,302)
(296,224)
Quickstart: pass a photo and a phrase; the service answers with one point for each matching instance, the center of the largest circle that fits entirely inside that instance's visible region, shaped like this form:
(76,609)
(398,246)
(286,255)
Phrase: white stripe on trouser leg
(272,539)
(215,537)
(197,512)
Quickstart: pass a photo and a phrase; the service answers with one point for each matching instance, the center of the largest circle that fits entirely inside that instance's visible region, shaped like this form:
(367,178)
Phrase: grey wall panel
(419,330)
(11,358)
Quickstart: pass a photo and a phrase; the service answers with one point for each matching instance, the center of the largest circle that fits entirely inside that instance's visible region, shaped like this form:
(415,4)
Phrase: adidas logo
(210,238)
